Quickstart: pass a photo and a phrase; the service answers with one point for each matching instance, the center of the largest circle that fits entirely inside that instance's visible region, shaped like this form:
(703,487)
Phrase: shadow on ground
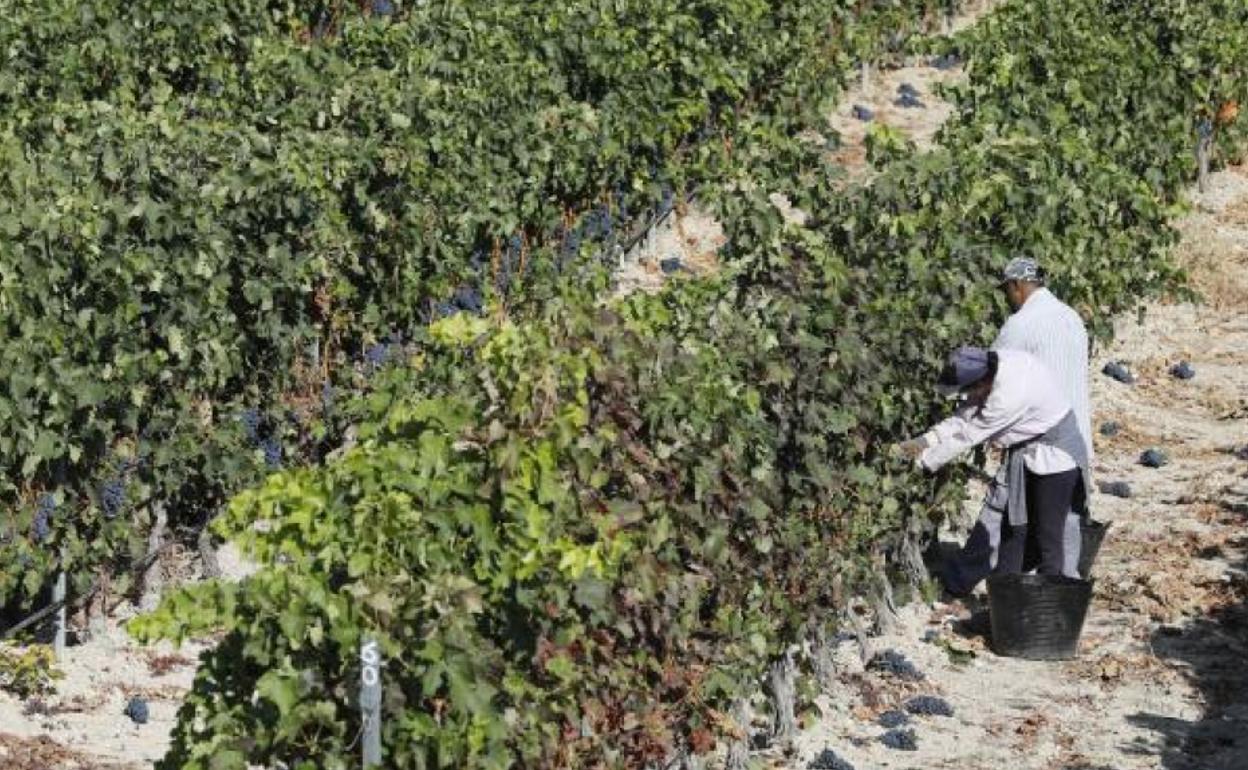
(1213,652)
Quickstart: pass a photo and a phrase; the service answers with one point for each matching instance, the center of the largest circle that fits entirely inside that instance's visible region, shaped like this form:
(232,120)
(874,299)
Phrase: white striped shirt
(1053,332)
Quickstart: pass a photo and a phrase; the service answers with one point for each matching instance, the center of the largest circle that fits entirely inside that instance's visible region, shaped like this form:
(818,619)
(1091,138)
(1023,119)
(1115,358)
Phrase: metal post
(866,76)
(58,636)
(1204,143)
(370,700)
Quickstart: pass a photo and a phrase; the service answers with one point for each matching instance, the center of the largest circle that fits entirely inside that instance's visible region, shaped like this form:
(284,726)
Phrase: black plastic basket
(1037,617)
(1092,534)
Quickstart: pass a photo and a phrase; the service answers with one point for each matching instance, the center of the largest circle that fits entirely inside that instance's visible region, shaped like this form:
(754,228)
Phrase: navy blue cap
(965,366)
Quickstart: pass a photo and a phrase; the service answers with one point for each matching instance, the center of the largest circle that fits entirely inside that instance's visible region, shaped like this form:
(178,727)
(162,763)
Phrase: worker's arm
(967,428)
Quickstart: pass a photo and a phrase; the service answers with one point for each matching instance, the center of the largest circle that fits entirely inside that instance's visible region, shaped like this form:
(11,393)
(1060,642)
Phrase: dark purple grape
(929,705)
(670,265)
(909,101)
(251,424)
(1115,488)
(892,719)
(828,760)
(375,356)
(1154,458)
(383,8)
(896,664)
(272,452)
(901,740)
(137,710)
(43,517)
(112,497)
(1118,371)
(467,298)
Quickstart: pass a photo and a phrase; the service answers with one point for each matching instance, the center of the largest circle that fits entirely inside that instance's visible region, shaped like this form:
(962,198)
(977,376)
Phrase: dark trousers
(1041,543)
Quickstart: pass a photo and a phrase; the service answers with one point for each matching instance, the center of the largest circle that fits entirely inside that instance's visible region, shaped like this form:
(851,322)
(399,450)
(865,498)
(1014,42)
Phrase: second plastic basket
(1092,535)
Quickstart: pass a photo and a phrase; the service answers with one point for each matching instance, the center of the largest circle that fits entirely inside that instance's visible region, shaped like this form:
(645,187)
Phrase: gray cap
(1023,269)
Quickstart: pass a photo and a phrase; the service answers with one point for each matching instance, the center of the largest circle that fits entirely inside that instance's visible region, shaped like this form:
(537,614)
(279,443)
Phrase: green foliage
(210,207)
(581,530)
(27,671)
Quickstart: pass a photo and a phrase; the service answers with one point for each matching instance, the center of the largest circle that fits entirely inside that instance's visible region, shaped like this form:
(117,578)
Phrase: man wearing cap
(1051,331)
(1013,401)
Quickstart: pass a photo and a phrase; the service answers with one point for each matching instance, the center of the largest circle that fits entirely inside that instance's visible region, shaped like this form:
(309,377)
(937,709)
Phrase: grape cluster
(1182,371)
(1118,371)
(1154,458)
(901,740)
(571,245)
(893,662)
(908,97)
(507,265)
(250,419)
(383,8)
(667,202)
(43,517)
(599,223)
(467,298)
(263,436)
(1115,489)
(137,710)
(929,705)
(893,719)
(865,114)
(946,61)
(375,356)
(828,760)
(1110,429)
(272,449)
(670,265)
(112,497)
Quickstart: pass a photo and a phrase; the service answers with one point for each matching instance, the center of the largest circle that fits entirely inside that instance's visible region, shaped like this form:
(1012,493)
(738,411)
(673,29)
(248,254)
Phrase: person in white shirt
(1051,330)
(1013,401)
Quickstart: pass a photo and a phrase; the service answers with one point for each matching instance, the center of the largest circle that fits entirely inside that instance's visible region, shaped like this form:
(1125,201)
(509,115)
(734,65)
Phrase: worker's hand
(910,449)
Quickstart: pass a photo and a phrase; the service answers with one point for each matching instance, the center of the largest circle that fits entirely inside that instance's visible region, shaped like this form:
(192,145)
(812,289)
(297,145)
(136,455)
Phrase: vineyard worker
(1051,330)
(1013,401)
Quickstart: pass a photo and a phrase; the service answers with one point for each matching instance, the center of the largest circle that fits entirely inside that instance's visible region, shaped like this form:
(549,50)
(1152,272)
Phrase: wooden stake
(1204,143)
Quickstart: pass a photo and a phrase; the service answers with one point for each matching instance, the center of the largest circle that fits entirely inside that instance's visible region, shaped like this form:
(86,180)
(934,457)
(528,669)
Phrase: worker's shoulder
(1060,308)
